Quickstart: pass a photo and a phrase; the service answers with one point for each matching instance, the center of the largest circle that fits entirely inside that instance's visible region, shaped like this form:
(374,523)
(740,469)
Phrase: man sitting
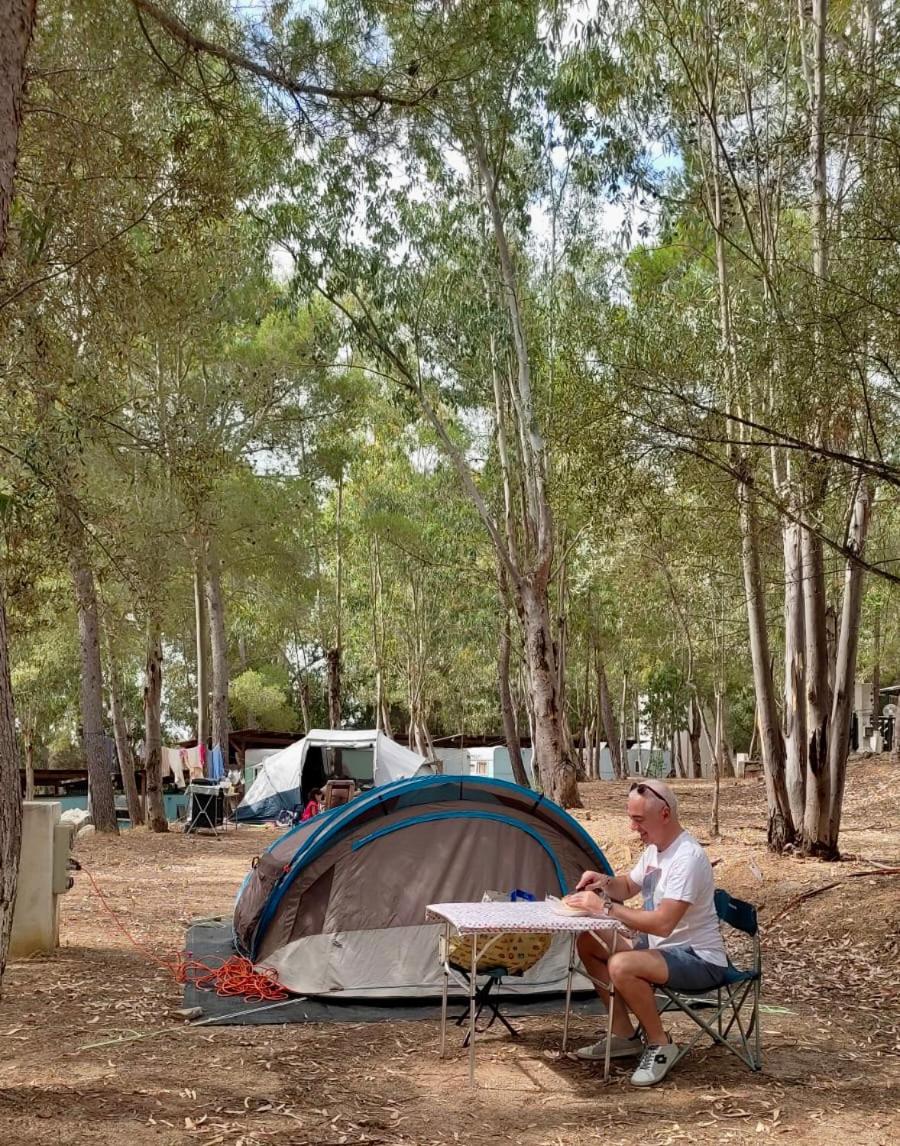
(677,939)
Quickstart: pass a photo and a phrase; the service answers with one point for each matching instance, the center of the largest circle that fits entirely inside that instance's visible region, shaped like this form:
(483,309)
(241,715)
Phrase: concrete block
(36,917)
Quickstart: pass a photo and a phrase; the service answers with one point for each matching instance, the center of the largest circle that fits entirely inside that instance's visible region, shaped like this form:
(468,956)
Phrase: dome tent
(337,905)
(286,778)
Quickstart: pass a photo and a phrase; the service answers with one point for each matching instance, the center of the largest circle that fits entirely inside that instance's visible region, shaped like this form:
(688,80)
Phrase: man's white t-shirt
(682,871)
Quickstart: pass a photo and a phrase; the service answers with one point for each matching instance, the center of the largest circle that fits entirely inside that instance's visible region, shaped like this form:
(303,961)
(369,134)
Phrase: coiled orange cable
(236,977)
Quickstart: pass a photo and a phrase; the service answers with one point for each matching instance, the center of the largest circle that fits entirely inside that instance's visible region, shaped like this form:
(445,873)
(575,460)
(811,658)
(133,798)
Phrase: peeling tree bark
(845,668)
(219,650)
(15,37)
(557,770)
(507,709)
(818,697)
(610,728)
(201,627)
(694,733)
(100,786)
(780,831)
(10,798)
(123,748)
(156,810)
(794,671)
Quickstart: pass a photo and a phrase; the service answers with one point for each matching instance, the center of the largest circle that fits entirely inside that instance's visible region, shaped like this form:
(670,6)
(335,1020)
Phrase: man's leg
(595,957)
(635,976)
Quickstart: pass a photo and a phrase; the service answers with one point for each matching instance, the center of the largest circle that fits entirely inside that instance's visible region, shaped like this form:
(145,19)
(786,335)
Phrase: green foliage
(159,376)
(260,700)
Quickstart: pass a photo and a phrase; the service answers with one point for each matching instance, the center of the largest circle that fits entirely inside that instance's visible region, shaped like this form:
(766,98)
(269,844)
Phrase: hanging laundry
(172,763)
(216,764)
(192,756)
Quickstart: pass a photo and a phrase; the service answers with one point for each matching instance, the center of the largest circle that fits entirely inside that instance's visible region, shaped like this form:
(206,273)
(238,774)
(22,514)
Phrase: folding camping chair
(732,996)
(504,956)
(337,792)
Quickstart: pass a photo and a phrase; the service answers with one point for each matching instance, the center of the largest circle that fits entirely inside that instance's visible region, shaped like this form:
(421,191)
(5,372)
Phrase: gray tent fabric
(337,905)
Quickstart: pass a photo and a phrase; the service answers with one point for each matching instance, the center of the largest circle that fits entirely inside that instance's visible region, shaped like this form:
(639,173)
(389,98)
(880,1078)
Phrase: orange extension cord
(236,976)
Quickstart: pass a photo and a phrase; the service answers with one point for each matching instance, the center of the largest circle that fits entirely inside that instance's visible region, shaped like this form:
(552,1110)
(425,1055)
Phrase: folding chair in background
(736,1005)
(336,793)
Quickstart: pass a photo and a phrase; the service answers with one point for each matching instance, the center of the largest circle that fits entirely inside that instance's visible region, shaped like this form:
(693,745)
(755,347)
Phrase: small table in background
(492,919)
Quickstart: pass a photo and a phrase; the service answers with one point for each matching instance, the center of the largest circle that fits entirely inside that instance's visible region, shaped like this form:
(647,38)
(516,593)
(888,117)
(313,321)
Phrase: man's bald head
(653,811)
(662,791)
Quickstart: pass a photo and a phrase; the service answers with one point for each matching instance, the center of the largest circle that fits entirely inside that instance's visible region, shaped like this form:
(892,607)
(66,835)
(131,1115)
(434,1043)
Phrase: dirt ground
(831,1021)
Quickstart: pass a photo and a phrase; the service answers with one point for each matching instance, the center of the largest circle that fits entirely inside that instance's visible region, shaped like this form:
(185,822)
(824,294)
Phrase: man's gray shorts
(688,972)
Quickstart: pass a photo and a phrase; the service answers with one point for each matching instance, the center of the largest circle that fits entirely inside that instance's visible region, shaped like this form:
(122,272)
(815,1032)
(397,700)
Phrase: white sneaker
(654,1065)
(620,1047)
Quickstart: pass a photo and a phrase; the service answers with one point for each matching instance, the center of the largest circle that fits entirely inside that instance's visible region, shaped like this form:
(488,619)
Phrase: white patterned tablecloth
(521,915)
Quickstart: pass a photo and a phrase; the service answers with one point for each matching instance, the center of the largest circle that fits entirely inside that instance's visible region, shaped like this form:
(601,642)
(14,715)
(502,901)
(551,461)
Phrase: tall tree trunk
(714,810)
(334,655)
(610,730)
(845,672)
(723,743)
(201,627)
(333,686)
(623,732)
(694,733)
(16,26)
(678,755)
(818,697)
(15,37)
(876,671)
(100,785)
(303,699)
(28,737)
(795,736)
(123,748)
(507,709)
(156,809)
(219,650)
(557,770)
(10,789)
(378,638)
(530,582)
(780,831)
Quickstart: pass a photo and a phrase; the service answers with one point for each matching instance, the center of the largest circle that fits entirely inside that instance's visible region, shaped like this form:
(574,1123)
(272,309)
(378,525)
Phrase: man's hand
(588,901)
(592,880)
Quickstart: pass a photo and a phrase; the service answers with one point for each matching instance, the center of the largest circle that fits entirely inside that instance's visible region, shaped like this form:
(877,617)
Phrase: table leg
(568,992)
(446,955)
(609,1016)
(472,979)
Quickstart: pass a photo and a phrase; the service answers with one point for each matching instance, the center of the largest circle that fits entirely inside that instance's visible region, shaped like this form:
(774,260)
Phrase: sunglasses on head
(642,790)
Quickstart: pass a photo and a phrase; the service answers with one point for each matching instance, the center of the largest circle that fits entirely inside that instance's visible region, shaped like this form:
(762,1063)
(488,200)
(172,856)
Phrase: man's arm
(661,921)
(618,887)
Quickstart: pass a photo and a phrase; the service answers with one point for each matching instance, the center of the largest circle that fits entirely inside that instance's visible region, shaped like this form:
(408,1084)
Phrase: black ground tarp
(210,943)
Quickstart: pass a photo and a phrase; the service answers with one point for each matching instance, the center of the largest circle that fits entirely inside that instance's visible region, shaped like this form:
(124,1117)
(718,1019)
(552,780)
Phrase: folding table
(491,920)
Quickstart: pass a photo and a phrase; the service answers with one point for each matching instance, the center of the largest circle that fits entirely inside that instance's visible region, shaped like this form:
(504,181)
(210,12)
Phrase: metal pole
(472,979)
(445,960)
(609,1014)
(569,992)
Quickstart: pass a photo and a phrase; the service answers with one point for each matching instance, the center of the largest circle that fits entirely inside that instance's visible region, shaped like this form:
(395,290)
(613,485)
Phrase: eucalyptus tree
(395,235)
(768,254)
(15,38)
